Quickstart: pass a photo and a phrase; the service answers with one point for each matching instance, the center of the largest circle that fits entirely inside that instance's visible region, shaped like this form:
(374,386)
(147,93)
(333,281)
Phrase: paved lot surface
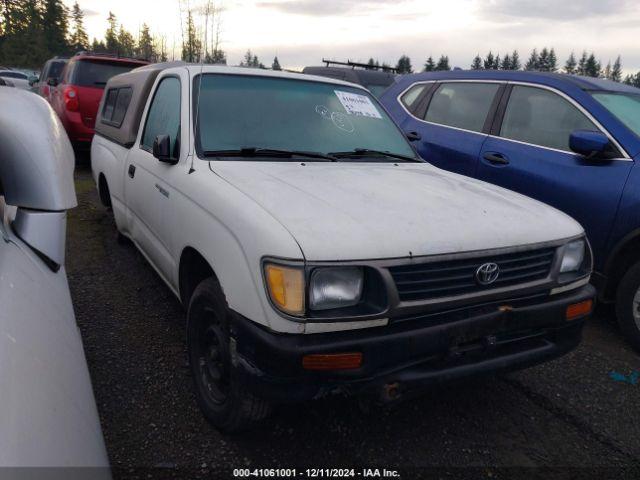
(568,415)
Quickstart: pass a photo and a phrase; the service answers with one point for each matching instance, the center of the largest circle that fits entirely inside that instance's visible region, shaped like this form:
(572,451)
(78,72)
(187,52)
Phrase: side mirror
(414,136)
(591,144)
(162,149)
(33,80)
(52,82)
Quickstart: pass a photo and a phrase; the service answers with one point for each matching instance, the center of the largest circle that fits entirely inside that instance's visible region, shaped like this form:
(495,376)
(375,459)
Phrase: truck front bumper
(410,353)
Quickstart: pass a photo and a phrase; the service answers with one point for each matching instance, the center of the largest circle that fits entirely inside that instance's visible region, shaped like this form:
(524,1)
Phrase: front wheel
(628,306)
(221,397)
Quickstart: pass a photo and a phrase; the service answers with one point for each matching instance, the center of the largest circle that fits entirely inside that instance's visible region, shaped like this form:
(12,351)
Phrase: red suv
(77,94)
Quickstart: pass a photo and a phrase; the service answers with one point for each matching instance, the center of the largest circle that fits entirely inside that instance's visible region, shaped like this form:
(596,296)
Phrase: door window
(541,117)
(410,97)
(462,105)
(164,115)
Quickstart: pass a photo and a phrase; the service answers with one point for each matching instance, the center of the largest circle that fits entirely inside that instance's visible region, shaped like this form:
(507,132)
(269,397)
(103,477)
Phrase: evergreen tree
(429,65)
(126,43)
(506,63)
(552,61)
(582,64)
(534,61)
(217,57)
(543,60)
(404,65)
(570,66)
(79,39)
(497,62)
(191,46)
(276,64)
(443,63)
(592,66)
(606,73)
(371,64)
(489,61)
(616,73)
(55,25)
(111,36)
(98,47)
(515,61)
(146,48)
(477,63)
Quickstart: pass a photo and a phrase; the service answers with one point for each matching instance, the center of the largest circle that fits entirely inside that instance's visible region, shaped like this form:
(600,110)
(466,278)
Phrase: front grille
(424,281)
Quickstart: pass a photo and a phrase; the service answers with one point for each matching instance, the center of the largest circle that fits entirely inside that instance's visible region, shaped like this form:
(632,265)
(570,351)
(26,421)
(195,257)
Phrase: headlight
(335,287)
(286,288)
(573,256)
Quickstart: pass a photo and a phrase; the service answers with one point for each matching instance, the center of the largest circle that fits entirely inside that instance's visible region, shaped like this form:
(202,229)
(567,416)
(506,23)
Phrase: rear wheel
(222,399)
(628,306)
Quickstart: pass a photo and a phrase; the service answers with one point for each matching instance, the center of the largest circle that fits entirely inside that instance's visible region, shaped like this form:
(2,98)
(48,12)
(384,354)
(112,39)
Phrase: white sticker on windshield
(359,105)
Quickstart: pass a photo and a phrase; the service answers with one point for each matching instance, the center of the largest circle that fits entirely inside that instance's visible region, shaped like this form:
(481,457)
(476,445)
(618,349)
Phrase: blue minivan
(569,141)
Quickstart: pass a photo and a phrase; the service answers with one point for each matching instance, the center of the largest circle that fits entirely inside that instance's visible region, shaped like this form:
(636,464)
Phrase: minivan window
(410,97)
(462,105)
(164,115)
(237,112)
(55,69)
(541,117)
(89,73)
(625,106)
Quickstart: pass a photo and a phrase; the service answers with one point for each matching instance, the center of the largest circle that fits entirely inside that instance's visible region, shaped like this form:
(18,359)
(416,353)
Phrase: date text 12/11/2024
(316,473)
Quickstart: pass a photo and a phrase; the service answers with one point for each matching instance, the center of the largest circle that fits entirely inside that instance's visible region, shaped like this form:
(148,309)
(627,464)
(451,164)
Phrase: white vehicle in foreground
(48,415)
(315,252)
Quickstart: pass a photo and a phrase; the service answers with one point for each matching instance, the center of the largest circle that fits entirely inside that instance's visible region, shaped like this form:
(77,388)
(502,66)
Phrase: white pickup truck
(315,251)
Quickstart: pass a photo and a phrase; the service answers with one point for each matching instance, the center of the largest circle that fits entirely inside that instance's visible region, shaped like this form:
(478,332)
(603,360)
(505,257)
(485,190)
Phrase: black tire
(627,290)
(221,397)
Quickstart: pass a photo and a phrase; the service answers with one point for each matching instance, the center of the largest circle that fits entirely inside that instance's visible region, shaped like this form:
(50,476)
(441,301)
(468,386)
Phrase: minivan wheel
(220,396)
(628,306)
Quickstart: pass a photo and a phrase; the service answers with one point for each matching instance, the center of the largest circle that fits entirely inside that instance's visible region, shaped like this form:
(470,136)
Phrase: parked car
(375,79)
(5,82)
(18,79)
(315,251)
(569,141)
(77,93)
(49,416)
(51,72)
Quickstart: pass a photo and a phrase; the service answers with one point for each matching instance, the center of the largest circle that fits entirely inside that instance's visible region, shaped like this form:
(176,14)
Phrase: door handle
(496,158)
(132,171)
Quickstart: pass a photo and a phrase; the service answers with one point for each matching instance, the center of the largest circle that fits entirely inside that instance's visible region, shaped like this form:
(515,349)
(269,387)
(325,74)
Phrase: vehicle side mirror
(591,144)
(414,136)
(162,149)
(33,80)
(52,82)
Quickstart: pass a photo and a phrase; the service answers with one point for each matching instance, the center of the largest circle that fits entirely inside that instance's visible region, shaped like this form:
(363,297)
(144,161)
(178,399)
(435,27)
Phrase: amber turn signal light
(578,310)
(333,361)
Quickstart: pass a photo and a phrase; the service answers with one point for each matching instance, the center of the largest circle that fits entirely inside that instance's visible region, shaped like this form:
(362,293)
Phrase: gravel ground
(567,418)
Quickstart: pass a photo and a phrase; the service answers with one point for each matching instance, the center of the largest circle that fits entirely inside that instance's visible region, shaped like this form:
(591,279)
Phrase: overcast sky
(301,32)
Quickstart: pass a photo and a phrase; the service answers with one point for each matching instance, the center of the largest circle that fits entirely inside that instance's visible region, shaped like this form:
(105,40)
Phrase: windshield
(625,106)
(90,73)
(241,111)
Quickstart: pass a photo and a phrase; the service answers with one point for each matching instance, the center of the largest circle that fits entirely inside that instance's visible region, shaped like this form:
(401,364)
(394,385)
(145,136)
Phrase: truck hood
(356,211)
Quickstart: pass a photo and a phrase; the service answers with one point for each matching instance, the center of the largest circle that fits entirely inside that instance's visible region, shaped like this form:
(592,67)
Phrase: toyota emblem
(487,273)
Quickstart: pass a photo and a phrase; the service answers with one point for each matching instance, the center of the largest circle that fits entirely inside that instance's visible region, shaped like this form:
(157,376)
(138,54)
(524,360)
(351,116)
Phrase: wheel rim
(213,358)
(636,308)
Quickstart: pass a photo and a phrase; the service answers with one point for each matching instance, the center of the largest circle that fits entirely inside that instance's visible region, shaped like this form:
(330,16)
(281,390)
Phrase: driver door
(148,192)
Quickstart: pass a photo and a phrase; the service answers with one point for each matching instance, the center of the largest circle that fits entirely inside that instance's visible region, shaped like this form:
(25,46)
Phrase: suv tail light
(71,99)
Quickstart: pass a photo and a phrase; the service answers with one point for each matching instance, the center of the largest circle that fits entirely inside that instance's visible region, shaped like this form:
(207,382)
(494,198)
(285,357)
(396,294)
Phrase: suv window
(540,117)
(410,97)
(164,115)
(462,105)
(90,73)
(115,105)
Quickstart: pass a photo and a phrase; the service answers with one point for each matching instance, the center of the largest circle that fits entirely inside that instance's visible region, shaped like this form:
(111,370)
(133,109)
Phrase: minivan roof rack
(366,66)
(89,53)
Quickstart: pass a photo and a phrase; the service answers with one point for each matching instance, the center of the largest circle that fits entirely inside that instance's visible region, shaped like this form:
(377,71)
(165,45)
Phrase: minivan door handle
(496,158)
(132,171)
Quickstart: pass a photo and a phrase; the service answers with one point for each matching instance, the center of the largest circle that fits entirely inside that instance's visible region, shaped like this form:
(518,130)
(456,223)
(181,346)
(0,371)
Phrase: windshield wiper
(267,152)
(363,152)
